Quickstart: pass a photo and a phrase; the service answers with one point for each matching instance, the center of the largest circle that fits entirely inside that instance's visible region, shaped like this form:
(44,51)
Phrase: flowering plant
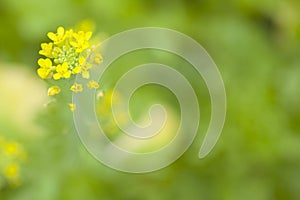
(65,57)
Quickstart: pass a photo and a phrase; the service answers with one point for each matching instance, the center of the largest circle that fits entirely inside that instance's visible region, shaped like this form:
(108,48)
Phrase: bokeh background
(256,45)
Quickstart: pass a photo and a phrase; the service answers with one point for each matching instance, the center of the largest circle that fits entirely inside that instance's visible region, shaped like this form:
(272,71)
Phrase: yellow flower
(11,171)
(93,84)
(98,58)
(58,37)
(76,87)
(62,71)
(53,90)
(11,149)
(46,49)
(81,41)
(66,56)
(45,68)
(72,106)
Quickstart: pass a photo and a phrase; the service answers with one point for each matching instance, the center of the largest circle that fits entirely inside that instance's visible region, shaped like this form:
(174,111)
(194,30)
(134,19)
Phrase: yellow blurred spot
(76,87)
(11,171)
(100,94)
(1,141)
(11,149)
(72,106)
(98,58)
(86,25)
(93,84)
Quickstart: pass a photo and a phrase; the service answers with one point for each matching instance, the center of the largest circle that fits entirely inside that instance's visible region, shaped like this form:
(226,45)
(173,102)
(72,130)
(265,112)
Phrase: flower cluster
(12,155)
(65,56)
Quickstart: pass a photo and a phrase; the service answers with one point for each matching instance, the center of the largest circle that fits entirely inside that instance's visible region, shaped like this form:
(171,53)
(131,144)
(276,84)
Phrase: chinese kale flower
(65,57)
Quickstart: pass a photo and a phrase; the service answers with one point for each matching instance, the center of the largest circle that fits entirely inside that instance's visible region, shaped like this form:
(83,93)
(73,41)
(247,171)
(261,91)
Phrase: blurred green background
(255,44)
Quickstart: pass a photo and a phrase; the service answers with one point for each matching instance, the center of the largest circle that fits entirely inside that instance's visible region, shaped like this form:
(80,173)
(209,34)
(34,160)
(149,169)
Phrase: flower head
(66,56)
(69,47)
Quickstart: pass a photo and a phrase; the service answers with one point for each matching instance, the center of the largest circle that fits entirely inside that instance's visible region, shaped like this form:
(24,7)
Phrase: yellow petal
(41,62)
(74,44)
(69,32)
(81,60)
(45,63)
(67,74)
(65,66)
(42,52)
(76,35)
(88,35)
(43,73)
(56,76)
(60,30)
(48,62)
(46,49)
(76,70)
(52,36)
